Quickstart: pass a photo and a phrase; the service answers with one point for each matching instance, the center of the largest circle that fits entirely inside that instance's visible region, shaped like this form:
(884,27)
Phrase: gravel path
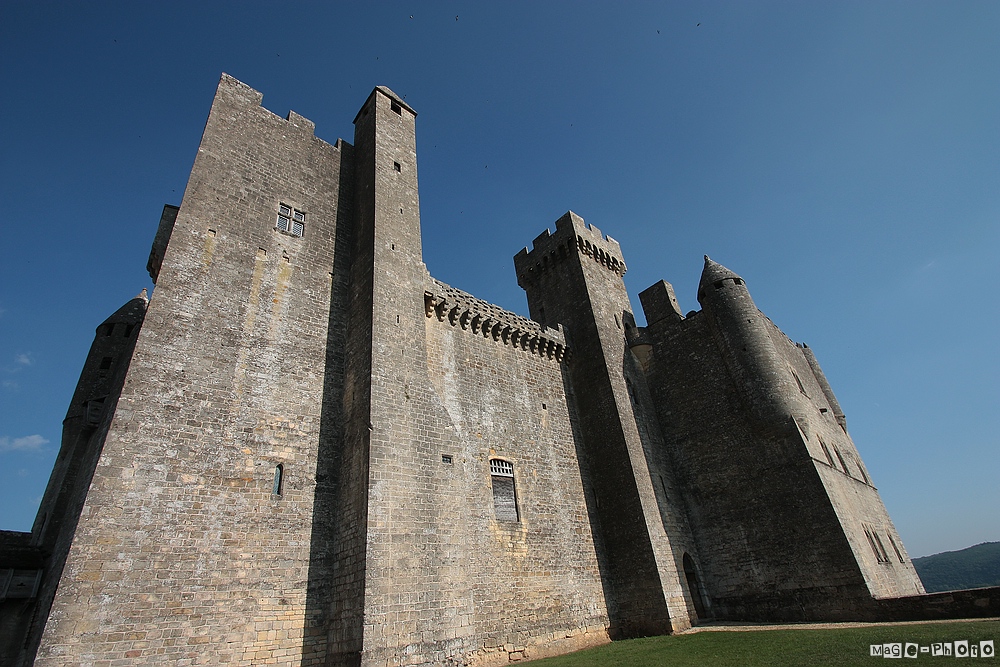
(723,626)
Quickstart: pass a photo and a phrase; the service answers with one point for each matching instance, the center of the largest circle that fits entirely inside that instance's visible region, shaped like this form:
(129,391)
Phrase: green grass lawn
(840,646)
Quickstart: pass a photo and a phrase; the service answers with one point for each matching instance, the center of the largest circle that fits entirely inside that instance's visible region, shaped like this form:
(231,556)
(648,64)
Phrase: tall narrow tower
(393,492)
(574,277)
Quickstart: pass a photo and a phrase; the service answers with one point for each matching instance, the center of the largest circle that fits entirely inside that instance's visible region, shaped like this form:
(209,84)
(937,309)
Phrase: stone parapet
(462,309)
(572,235)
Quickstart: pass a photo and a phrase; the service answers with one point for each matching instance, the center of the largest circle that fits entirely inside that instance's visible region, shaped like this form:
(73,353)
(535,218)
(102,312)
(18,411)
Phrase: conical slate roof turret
(133,311)
(713,273)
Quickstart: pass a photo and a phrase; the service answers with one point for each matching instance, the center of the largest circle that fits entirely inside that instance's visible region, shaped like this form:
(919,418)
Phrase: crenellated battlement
(461,309)
(572,235)
(233,89)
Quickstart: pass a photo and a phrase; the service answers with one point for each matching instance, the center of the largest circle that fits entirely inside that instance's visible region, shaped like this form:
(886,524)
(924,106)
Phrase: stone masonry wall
(183,553)
(533,585)
(574,277)
(315,446)
(876,545)
(756,504)
(85,429)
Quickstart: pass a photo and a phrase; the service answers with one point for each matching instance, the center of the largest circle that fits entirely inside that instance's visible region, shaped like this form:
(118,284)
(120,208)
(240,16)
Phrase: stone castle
(305,450)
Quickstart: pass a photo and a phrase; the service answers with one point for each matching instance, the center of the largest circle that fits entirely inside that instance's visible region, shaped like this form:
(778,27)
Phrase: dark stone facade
(313,453)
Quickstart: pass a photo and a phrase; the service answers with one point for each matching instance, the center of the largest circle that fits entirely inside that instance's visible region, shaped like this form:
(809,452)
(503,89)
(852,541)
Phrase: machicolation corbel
(484,319)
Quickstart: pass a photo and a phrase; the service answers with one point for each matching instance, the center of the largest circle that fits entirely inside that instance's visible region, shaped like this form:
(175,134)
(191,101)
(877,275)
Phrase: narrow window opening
(737,281)
(105,363)
(829,456)
(397,166)
(108,328)
(504,492)
(799,383)
(878,541)
(396,108)
(128,330)
(899,555)
(864,475)
(871,543)
(446,458)
(544,407)
(843,463)
(397,319)
(279,480)
(392,246)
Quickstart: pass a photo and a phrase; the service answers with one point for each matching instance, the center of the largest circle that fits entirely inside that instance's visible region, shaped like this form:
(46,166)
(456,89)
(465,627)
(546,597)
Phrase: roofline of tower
(388,93)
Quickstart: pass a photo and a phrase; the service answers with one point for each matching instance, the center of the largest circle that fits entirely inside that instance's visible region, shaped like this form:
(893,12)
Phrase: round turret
(743,336)
(713,277)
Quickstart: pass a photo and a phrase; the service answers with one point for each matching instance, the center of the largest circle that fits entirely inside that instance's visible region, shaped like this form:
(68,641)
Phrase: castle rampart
(305,450)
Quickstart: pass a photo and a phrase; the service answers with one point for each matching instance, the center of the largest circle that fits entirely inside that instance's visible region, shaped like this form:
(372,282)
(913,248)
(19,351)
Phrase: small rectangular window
(105,363)
(446,458)
(500,467)
(397,166)
(396,108)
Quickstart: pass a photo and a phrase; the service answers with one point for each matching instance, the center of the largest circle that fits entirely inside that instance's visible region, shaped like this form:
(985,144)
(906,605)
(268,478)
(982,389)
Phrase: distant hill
(974,567)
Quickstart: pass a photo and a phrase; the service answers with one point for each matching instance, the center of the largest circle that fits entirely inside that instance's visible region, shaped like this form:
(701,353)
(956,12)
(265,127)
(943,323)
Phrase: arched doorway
(694,587)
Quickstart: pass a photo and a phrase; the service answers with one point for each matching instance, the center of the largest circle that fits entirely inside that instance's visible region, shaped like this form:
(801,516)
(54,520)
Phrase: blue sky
(844,158)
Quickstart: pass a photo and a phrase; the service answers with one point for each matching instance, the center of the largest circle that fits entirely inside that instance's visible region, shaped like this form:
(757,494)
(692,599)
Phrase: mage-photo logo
(956,649)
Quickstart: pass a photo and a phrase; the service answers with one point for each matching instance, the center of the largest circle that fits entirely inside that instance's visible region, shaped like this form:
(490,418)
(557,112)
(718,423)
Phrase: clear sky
(844,158)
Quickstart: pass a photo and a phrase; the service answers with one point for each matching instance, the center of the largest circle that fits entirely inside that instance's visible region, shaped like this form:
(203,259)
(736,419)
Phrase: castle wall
(533,584)
(774,469)
(877,547)
(182,548)
(322,456)
(770,544)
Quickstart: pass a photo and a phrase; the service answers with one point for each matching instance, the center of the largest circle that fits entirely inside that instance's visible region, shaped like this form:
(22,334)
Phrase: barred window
(291,220)
(504,493)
